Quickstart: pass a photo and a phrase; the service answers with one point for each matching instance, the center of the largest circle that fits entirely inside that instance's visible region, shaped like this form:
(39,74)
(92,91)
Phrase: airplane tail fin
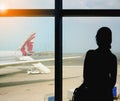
(27,46)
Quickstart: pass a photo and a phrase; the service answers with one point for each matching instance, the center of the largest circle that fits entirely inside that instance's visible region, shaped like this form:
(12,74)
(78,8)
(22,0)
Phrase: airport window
(30,39)
(59,19)
(92,4)
(27,4)
(77,41)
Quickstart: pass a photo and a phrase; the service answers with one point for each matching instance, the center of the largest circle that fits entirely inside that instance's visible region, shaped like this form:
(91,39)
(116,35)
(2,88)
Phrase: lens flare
(3,8)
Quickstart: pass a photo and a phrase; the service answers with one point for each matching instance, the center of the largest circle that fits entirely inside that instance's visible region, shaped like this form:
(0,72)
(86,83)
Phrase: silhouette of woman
(100,68)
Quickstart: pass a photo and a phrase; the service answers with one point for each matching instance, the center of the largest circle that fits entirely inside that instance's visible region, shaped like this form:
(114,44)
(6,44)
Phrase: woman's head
(104,37)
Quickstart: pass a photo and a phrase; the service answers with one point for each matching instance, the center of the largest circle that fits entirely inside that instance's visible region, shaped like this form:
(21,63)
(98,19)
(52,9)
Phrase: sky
(78,32)
(91,4)
(67,4)
(14,30)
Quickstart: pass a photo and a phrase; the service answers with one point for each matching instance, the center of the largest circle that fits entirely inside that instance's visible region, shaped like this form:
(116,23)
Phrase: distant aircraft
(23,55)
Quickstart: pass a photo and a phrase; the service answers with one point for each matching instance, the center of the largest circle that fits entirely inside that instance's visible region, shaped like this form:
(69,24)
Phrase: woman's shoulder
(91,51)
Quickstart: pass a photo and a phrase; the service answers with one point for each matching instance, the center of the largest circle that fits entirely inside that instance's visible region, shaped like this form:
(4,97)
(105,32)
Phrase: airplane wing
(36,63)
(29,60)
(23,62)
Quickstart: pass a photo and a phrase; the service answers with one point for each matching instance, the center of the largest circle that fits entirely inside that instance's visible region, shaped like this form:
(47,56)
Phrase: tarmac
(17,85)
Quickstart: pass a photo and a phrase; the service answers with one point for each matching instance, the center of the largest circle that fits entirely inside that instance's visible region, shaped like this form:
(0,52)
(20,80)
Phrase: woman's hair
(104,37)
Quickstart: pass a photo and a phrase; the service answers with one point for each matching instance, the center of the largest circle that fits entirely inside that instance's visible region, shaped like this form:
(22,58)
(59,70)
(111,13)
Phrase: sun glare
(3,7)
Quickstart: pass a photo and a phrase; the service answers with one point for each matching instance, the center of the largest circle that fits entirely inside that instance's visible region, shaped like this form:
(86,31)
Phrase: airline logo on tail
(27,46)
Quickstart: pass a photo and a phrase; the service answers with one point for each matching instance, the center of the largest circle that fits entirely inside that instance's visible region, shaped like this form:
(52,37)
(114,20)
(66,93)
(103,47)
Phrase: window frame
(59,13)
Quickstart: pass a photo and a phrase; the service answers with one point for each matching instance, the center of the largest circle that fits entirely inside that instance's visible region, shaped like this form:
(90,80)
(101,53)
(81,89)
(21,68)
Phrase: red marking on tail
(27,47)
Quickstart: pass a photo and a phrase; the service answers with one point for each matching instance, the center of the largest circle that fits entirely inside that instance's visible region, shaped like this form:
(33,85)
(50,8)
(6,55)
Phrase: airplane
(23,56)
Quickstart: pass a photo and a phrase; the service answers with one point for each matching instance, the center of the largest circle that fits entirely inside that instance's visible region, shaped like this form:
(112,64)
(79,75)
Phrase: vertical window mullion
(58,50)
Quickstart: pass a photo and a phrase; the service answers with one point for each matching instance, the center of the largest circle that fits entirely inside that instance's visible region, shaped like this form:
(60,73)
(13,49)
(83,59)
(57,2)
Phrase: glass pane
(27,4)
(91,4)
(79,37)
(26,39)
